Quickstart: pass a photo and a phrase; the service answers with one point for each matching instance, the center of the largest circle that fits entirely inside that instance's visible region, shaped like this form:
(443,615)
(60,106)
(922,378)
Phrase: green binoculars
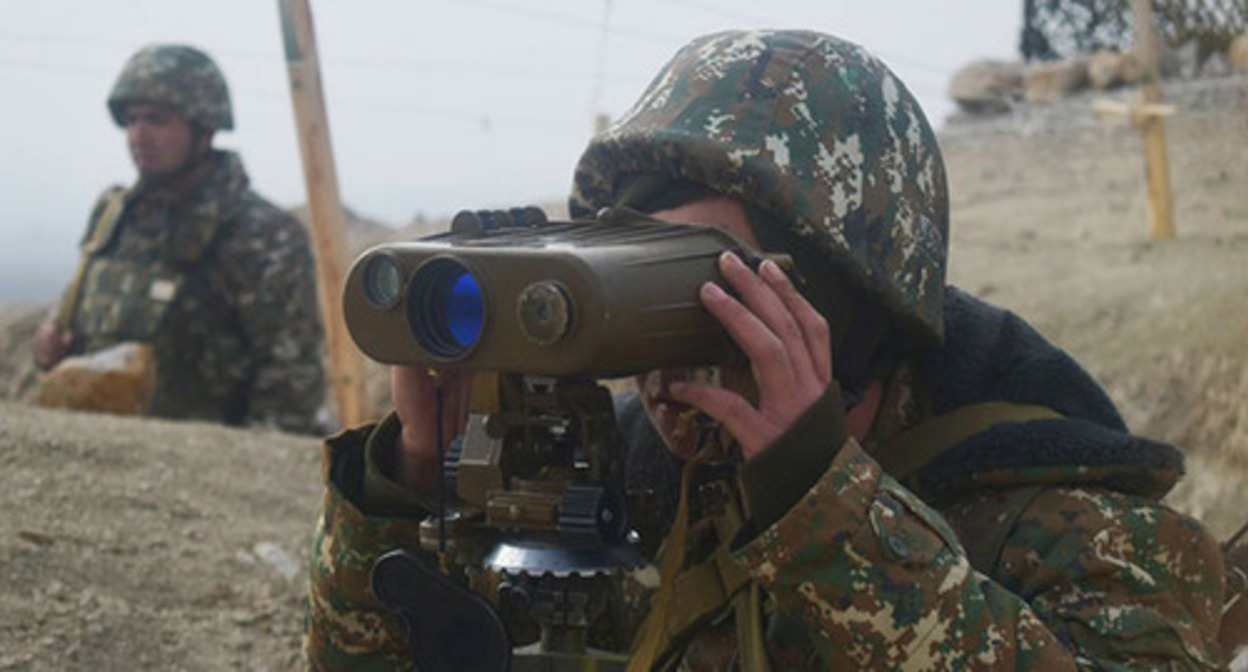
(509,291)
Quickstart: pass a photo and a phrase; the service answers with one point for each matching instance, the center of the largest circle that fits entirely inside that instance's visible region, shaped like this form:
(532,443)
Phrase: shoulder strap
(907,453)
(100,234)
(688,598)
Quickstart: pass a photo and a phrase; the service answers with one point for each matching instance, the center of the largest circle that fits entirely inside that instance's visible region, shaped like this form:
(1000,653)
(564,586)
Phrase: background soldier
(928,483)
(190,260)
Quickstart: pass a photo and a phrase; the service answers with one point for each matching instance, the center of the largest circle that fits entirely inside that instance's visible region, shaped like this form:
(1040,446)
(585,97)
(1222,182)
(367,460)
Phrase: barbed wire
(1055,29)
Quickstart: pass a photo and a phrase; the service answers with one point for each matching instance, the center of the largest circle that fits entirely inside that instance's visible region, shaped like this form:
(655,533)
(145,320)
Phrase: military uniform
(218,280)
(221,283)
(1032,542)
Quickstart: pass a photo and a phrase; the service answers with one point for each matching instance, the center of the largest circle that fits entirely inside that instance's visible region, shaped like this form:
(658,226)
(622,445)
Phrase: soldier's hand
(52,344)
(415,390)
(789,347)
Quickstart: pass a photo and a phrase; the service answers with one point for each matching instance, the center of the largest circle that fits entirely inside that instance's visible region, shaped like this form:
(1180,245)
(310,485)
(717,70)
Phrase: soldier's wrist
(382,491)
(779,476)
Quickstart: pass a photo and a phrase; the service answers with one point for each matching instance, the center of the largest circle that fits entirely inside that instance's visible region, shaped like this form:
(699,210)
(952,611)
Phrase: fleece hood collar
(993,355)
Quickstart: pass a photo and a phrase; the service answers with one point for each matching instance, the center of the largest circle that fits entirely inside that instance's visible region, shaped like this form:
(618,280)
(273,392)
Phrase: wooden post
(1152,126)
(324,206)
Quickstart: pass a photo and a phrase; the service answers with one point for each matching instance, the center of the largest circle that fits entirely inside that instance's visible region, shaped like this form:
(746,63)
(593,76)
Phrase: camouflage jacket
(221,283)
(863,572)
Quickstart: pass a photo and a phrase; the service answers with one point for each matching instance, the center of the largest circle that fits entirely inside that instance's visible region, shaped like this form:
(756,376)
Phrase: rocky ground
(129,544)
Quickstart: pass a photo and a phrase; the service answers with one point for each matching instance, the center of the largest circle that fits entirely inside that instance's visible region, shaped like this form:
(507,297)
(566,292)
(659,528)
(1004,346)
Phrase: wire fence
(1057,29)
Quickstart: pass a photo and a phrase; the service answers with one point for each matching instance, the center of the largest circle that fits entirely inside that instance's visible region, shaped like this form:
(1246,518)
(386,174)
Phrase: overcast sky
(434,105)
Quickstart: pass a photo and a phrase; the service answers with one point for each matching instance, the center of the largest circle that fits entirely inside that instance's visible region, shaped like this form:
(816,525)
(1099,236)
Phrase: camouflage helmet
(815,132)
(176,75)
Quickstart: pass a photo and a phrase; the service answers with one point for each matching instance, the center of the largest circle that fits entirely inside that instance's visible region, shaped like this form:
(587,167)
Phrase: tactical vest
(113,299)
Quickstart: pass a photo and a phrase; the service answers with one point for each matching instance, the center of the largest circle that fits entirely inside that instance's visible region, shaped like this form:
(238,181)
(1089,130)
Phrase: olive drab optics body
(604,297)
(179,76)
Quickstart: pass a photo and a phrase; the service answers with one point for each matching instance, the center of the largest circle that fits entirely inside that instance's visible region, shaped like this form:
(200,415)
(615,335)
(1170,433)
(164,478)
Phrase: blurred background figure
(189,269)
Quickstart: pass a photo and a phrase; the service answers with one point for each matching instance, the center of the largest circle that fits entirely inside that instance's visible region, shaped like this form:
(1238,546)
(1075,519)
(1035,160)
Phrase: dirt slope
(128,544)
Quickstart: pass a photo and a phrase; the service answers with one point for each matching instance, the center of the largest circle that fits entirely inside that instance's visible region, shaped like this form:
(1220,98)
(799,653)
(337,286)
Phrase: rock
(239,641)
(14,661)
(273,555)
(1237,54)
(1047,83)
(117,380)
(36,537)
(1108,69)
(987,86)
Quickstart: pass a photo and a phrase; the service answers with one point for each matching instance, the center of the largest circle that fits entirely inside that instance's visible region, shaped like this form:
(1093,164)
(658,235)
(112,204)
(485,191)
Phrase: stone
(987,86)
(117,380)
(1108,69)
(1047,83)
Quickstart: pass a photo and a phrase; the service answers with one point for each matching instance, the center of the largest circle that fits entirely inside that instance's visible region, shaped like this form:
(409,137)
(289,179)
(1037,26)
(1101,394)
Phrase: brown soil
(130,544)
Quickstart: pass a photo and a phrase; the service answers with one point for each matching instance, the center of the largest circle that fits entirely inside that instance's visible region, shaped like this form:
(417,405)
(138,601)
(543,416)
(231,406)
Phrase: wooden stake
(324,205)
(1152,126)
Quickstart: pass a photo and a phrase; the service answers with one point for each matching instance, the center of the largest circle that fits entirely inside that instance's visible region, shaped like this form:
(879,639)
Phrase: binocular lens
(382,281)
(464,309)
(446,310)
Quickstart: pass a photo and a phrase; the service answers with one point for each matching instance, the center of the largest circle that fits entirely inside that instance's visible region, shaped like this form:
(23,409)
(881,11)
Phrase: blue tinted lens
(465,311)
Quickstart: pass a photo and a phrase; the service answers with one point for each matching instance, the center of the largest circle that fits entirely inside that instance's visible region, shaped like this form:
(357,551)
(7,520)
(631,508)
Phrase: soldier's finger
(456,399)
(766,352)
(751,429)
(813,325)
(763,300)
